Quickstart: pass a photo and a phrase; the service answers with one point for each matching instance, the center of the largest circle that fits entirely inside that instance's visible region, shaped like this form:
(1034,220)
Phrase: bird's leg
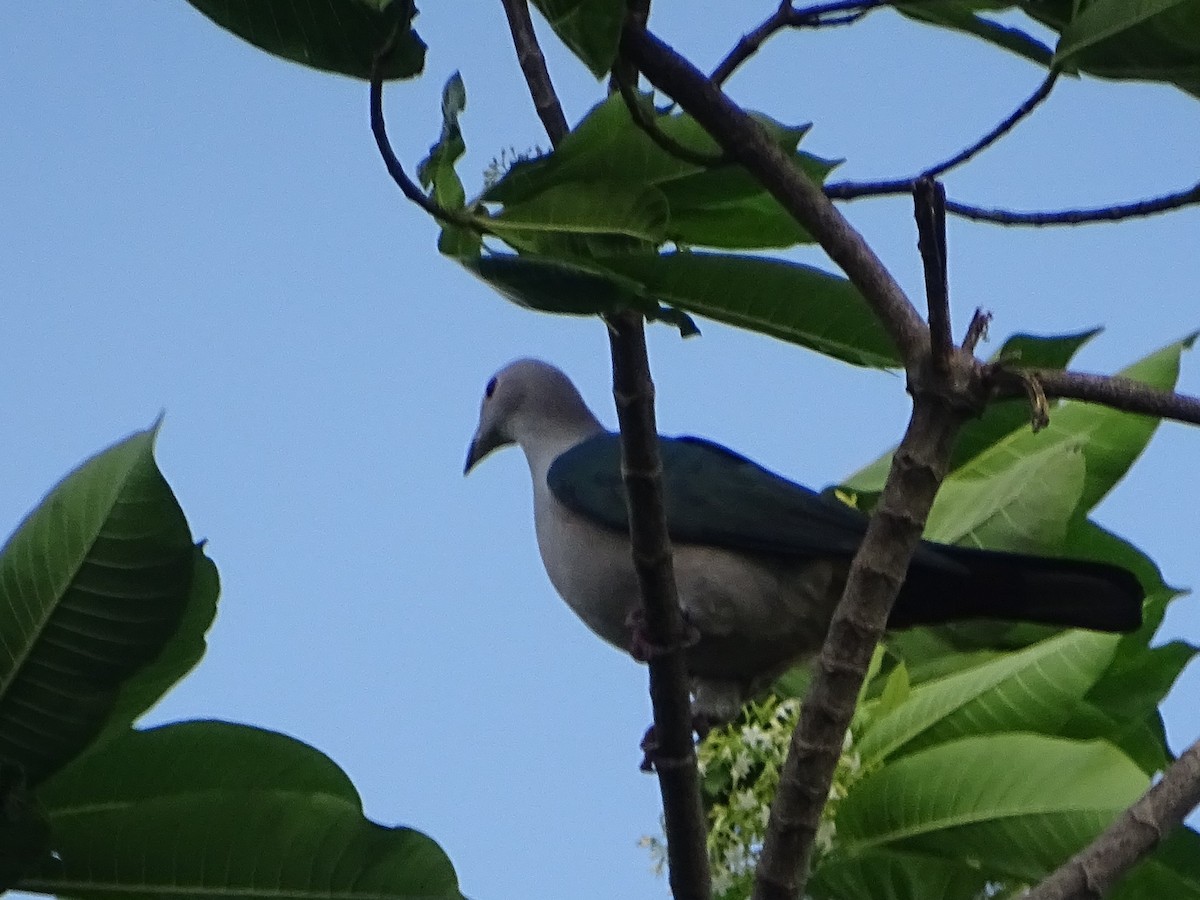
(643,649)
(649,746)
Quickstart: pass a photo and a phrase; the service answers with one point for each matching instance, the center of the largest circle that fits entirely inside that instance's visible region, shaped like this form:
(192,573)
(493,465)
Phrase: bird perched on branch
(760,562)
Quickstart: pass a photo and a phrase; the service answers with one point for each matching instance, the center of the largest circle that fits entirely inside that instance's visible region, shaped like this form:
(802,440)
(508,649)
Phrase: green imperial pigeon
(760,562)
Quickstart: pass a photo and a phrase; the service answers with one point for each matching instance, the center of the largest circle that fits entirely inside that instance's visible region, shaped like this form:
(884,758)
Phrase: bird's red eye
(490,389)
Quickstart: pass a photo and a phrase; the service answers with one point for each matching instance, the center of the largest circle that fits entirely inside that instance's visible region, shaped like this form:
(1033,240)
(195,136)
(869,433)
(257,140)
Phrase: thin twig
(646,122)
(853,190)
(747,143)
(1030,104)
(787,16)
(1110,390)
(1093,871)
(1116,213)
(929,207)
(407,186)
(674,756)
(976,331)
(533,66)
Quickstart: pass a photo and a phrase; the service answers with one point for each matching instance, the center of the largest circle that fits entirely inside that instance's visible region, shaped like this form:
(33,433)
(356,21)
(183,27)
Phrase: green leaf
(332,35)
(1172,870)
(222,810)
(1000,418)
(886,874)
(1100,20)
(573,288)
(180,655)
(24,831)
(1000,801)
(590,28)
(590,207)
(437,171)
(190,757)
(1035,689)
(1022,504)
(1162,46)
(790,301)
(960,16)
(93,585)
(609,156)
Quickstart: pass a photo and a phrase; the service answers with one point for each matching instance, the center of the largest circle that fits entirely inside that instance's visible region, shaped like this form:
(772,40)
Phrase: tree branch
(787,16)
(533,66)
(929,205)
(674,753)
(747,143)
(1110,390)
(940,405)
(852,190)
(1137,209)
(1093,871)
(407,186)
(674,756)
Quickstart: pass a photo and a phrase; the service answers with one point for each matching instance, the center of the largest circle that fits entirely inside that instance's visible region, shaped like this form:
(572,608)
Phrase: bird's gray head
(525,401)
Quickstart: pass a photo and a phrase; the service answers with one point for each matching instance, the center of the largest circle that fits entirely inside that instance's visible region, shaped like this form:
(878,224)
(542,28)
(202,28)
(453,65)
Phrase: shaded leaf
(93,585)
(1001,801)
(222,810)
(332,35)
(1172,870)
(883,873)
(24,832)
(573,288)
(590,28)
(790,301)
(190,757)
(180,655)
(1101,20)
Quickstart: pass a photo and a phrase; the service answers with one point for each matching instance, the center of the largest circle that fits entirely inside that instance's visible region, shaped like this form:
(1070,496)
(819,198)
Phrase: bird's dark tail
(1067,593)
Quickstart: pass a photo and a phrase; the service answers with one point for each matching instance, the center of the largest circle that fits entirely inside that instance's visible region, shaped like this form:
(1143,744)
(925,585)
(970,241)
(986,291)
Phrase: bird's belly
(591,568)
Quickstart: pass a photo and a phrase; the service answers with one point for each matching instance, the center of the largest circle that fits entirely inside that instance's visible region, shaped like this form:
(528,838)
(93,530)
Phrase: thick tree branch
(533,66)
(787,16)
(852,190)
(1109,390)
(674,753)
(674,756)
(940,405)
(1092,872)
(1116,213)
(747,143)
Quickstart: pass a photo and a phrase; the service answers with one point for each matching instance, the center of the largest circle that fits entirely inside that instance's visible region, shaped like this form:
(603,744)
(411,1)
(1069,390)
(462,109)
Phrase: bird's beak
(482,444)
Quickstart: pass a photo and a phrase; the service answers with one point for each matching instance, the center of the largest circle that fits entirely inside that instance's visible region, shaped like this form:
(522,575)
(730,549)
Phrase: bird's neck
(552,439)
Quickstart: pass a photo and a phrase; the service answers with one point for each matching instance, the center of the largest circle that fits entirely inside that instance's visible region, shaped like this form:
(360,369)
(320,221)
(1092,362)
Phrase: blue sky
(191,225)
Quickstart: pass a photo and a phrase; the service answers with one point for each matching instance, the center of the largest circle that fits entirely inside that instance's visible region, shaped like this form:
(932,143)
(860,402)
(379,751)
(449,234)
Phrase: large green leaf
(24,831)
(573,288)
(785,300)
(1109,439)
(1101,20)
(1035,689)
(212,809)
(93,585)
(333,35)
(180,655)
(1000,418)
(1172,870)
(1148,40)
(590,28)
(1002,801)
(608,160)
(191,757)
(883,873)
(1024,505)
